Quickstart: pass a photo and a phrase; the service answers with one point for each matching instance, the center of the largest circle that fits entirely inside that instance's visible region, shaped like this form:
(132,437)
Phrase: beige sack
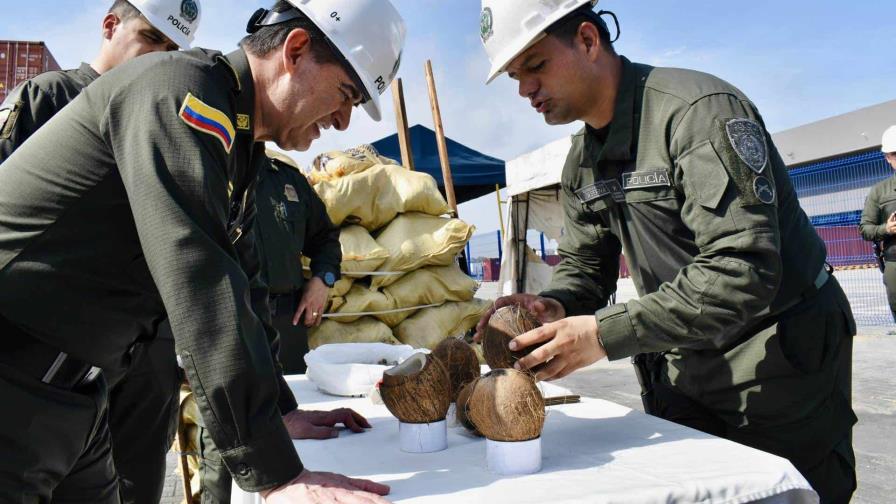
(415,240)
(428,286)
(360,299)
(428,327)
(365,330)
(360,252)
(342,287)
(336,164)
(375,196)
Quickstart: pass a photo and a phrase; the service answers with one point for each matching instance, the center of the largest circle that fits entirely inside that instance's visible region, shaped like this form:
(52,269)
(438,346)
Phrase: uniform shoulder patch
(748,141)
(208,119)
(764,190)
(9,114)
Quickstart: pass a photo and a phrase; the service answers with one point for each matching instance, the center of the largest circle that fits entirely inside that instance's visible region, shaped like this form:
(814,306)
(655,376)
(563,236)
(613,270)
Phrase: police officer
(293,221)
(143,402)
(676,169)
(878,222)
(160,156)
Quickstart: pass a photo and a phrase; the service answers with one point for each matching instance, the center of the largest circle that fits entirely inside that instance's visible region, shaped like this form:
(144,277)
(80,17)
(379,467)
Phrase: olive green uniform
(159,155)
(143,396)
(291,220)
(879,206)
(756,337)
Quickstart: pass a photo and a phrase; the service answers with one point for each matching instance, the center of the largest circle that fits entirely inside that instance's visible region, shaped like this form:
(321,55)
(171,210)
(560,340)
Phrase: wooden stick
(440,137)
(184,463)
(401,120)
(557,401)
(500,210)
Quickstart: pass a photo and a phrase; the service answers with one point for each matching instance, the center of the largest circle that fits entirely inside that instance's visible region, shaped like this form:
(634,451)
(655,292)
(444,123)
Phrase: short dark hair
(567,28)
(270,38)
(124,10)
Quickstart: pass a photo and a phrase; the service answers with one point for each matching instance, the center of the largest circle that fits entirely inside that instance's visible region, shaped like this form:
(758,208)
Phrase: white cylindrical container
(511,458)
(423,438)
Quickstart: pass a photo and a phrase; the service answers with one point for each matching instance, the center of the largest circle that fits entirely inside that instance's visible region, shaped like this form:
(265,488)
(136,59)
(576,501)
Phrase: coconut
(417,390)
(507,323)
(461,362)
(463,400)
(506,405)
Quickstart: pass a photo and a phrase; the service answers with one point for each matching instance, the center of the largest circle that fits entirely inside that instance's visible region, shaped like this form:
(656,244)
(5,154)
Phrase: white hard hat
(509,27)
(369,34)
(888,143)
(176,19)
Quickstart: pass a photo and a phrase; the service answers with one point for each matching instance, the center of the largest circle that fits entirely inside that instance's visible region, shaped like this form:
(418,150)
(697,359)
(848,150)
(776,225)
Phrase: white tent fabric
(533,183)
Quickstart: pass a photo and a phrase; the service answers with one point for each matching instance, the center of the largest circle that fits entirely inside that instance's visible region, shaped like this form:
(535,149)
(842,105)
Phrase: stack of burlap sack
(401,282)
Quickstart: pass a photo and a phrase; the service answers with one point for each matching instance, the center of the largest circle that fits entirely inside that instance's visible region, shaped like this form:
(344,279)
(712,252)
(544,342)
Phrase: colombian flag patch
(208,120)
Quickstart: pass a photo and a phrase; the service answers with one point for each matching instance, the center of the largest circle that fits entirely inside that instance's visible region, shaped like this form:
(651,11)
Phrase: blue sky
(799,60)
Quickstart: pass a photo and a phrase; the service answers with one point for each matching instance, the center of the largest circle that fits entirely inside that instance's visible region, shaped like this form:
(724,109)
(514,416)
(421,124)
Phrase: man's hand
(326,488)
(322,424)
(891,224)
(572,344)
(314,298)
(546,310)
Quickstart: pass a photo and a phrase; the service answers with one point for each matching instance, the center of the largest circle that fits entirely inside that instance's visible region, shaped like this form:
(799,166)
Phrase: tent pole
(401,121)
(440,137)
(500,209)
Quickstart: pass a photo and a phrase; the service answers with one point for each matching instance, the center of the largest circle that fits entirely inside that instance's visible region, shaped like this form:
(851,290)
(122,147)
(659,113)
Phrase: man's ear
(296,46)
(110,23)
(588,38)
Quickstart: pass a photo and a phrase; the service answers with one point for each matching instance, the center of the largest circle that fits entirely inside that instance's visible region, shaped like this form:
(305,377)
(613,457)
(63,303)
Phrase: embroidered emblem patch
(207,119)
(643,179)
(290,193)
(764,190)
(8,118)
(189,10)
(748,140)
(242,122)
(486,24)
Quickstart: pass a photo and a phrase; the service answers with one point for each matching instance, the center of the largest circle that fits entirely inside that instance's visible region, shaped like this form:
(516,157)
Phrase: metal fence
(832,193)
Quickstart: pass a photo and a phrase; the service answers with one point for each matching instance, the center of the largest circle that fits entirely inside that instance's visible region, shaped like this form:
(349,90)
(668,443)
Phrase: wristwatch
(328,278)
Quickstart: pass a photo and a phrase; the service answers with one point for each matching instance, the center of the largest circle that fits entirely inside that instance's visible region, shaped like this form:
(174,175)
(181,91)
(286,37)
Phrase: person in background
(878,224)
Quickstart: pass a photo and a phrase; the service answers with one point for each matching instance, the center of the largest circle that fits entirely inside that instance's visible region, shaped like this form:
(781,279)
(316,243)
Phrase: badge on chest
(290,192)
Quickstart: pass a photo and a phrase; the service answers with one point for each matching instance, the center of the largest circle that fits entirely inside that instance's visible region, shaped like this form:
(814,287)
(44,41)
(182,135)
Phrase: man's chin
(553,120)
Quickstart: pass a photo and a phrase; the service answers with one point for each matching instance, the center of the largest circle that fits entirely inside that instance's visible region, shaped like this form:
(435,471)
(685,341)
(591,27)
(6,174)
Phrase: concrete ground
(874,400)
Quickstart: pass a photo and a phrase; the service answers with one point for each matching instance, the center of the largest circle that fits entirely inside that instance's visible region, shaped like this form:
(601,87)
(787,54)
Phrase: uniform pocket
(705,176)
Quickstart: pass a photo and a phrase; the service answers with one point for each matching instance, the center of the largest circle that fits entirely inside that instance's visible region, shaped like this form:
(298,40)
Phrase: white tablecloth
(595,452)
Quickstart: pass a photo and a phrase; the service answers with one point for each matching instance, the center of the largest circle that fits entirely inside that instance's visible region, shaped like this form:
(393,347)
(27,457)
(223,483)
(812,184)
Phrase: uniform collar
(245,99)
(618,146)
(88,71)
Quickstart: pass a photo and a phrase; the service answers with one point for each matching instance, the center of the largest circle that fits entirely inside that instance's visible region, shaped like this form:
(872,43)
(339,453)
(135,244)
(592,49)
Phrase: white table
(595,452)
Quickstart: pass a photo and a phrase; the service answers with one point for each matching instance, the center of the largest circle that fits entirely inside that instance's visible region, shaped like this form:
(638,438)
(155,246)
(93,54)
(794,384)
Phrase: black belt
(43,362)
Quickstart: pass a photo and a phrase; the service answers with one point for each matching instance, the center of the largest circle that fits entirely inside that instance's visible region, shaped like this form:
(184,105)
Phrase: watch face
(329,279)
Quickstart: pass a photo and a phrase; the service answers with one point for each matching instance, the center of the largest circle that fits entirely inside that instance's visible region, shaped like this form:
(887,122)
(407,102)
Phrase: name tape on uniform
(644,179)
(290,193)
(601,189)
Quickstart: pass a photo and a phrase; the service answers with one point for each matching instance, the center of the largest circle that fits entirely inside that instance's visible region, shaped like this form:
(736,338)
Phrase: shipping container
(20,61)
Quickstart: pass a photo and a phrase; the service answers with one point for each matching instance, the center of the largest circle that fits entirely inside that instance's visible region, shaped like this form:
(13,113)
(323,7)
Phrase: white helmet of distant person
(368,34)
(176,19)
(888,142)
(509,27)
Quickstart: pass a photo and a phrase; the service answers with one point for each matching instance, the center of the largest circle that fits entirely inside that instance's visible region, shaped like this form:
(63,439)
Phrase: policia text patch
(643,179)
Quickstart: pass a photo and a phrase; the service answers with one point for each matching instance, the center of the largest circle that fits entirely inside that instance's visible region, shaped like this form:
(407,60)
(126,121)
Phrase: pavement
(874,400)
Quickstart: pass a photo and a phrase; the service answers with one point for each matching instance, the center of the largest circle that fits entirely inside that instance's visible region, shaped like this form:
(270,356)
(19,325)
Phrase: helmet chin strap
(612,14)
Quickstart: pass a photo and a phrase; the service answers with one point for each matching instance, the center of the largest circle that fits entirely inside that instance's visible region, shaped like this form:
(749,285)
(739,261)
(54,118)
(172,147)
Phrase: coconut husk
(461,362)
(417,390)
(507,323)
(506,405)
(463,400)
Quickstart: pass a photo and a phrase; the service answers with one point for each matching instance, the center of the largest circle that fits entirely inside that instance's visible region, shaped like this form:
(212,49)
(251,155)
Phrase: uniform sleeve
(250,258)
(23,112)
(176,181)
(589,265)
(736,274)
(869,226)
(321,236)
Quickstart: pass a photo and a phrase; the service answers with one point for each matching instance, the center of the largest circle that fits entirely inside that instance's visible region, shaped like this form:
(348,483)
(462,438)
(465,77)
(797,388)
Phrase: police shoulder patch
(208,119)
(764,190)
(9,114)
(748,141)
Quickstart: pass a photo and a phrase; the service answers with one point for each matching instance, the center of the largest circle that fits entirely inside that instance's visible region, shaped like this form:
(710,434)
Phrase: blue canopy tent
(475,174)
